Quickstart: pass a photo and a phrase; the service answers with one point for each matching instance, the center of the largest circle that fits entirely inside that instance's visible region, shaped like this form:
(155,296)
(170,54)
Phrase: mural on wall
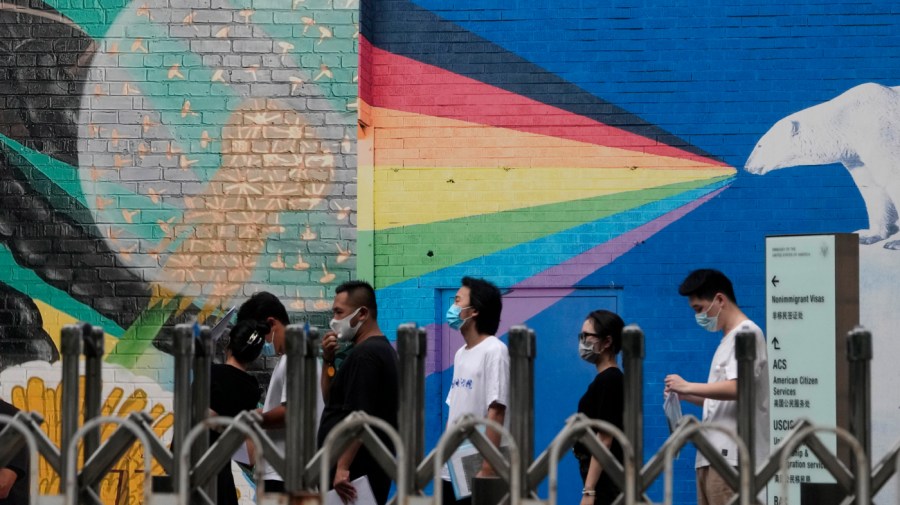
(189,155)
(857,129)
(32,227)
(570,151)
(162,162)
(38,390)
(509,170)
(221,150)
(497,168)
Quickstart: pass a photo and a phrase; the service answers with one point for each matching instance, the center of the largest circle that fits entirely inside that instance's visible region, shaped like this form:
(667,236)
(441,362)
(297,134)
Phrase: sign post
(812,302)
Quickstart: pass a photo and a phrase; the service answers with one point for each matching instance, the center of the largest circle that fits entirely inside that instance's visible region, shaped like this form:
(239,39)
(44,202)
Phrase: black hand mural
(43,59)
(22,337)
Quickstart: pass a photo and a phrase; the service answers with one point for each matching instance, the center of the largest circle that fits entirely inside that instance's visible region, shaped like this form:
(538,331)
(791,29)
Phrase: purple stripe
(561,278)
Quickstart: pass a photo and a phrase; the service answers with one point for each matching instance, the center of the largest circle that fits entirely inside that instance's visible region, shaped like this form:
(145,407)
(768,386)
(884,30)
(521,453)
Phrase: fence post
(93,385)
(203,353)
(71,353)
(859,354)
(93,388)
(70,475)
(300,417)
(183,347)
(522,352)
(411,347)
(633,364)
(745,352)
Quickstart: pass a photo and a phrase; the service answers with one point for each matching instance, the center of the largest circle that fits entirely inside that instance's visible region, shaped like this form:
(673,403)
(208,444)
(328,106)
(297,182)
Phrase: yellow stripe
(424,195)
(431,169)
(55,319)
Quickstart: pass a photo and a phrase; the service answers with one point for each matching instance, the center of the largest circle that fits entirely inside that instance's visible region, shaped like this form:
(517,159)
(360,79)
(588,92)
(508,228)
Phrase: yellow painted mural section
(463,169)
(55,319)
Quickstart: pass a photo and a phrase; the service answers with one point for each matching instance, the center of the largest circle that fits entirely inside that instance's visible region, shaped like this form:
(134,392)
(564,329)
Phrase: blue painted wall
(717,77)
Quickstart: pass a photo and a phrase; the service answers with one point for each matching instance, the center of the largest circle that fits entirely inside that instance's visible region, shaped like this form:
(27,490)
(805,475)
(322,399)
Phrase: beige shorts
(711,488)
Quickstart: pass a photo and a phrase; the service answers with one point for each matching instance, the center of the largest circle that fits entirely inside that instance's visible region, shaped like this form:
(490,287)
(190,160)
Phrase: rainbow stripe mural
(476,165)
(485,164)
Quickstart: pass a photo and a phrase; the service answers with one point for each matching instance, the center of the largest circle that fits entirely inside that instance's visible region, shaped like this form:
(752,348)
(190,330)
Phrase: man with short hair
(368,380)
(711,295)
(266,308)
(480,384)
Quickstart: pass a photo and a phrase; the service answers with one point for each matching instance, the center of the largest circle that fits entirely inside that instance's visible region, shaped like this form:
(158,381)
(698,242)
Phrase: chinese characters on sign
(800,327)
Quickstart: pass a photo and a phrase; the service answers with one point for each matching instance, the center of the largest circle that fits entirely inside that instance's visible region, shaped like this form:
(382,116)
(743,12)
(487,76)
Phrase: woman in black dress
(233,390)
(599,342)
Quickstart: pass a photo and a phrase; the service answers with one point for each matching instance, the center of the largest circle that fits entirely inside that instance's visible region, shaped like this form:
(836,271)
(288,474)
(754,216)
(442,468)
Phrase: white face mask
(345,332)
(706,321)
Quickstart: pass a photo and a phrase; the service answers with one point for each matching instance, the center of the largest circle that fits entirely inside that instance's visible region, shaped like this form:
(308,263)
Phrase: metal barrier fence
(190,474)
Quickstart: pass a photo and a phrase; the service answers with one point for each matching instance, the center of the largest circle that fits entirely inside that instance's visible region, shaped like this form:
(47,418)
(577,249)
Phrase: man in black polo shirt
(14,476)
(367,380)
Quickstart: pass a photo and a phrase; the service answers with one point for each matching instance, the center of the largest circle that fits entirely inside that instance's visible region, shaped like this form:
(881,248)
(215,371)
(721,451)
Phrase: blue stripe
(413,300)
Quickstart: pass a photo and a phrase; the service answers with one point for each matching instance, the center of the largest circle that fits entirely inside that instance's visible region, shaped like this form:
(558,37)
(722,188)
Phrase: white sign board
(801,326)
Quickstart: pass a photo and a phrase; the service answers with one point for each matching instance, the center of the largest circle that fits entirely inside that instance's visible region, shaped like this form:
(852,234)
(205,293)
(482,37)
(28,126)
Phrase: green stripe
(53,178)
(59,183)
(93,16)
(27,282)
(140,335)
(401,253)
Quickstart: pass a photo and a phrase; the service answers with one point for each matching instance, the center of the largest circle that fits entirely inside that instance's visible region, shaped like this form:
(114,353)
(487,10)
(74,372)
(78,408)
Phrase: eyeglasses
(585,334)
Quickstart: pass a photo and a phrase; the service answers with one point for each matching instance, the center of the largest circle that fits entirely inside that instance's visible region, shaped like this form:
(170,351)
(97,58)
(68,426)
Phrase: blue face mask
(268,349)
(453,319)
(707,322)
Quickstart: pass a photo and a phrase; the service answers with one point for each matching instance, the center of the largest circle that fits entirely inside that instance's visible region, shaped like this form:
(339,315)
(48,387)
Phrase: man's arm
(497,413)
(342,484)
(273,418)
(251,452)
(722,390)
(696,400)
(7,479)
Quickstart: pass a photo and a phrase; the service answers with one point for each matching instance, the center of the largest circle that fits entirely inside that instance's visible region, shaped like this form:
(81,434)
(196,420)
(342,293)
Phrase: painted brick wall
(594,146)
(162,162)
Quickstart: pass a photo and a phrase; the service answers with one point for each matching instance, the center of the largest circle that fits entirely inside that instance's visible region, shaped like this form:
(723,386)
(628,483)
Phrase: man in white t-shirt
(480,384)
(268,309)
(711,295)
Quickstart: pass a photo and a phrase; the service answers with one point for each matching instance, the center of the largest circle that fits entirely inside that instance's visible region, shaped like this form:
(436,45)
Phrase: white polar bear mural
(860,129)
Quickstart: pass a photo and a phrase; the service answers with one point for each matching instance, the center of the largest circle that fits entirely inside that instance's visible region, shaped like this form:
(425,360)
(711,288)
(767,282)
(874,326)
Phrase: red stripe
(401,83)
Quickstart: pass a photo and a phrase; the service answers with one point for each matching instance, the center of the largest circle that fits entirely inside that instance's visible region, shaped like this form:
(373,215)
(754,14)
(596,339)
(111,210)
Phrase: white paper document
(219,329)
(465,463)
(672,408)
(242,456)
(364,494)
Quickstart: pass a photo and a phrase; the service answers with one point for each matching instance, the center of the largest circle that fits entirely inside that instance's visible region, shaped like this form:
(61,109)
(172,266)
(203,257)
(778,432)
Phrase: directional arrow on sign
(775,281)
(775,344)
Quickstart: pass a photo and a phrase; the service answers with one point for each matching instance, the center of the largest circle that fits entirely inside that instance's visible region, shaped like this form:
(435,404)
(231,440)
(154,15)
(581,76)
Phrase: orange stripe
(407,139)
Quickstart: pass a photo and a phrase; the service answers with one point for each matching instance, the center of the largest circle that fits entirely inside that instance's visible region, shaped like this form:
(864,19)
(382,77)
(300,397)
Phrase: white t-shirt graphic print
(480,378)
